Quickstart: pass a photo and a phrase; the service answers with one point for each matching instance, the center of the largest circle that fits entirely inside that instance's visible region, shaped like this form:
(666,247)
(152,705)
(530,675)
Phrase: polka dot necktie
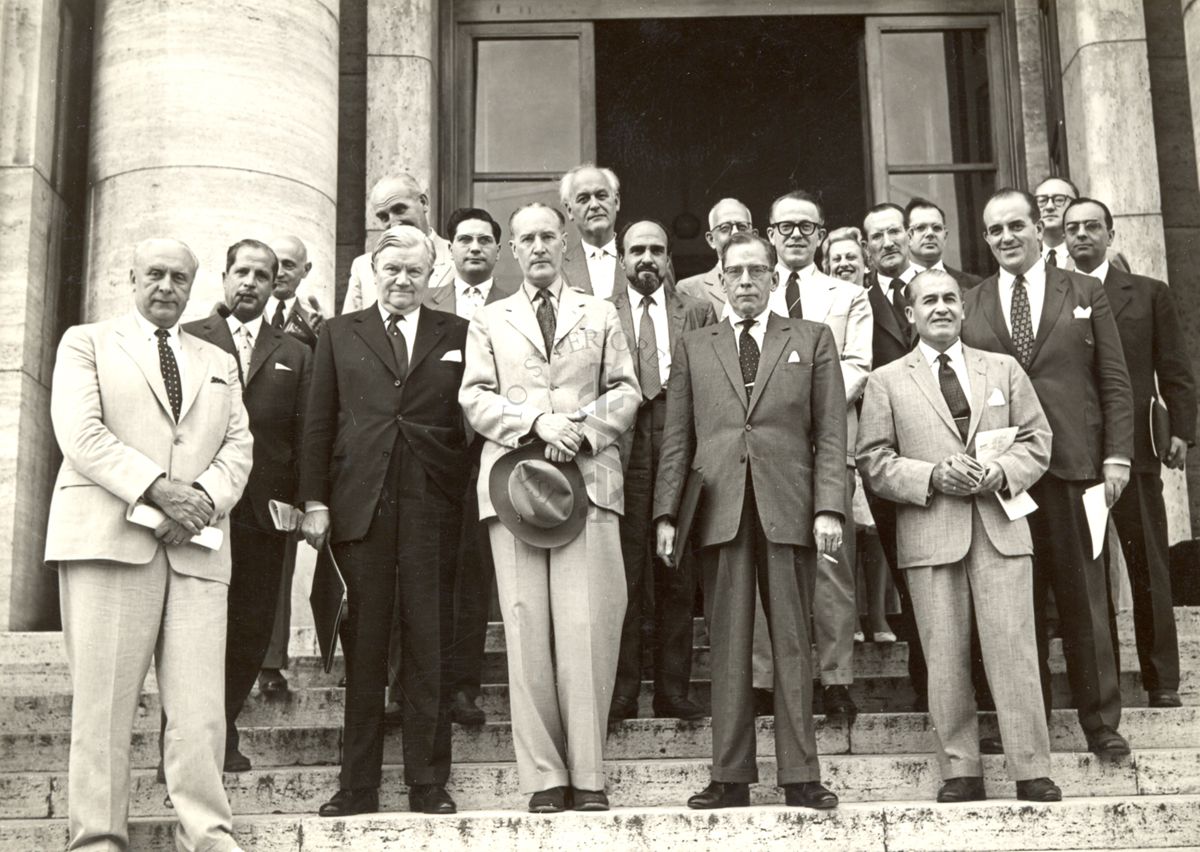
(1022,323)
(170,372)
(748,354)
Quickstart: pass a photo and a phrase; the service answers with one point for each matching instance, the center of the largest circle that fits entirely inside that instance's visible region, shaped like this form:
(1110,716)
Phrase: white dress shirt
(148,331)
(238,329)
(1062,258)
(958,363)
(658,316)
(602,266)
(1100,272)
(407,325)
(466,305)
(1035,287)
(916,269)
(269,310)
(757,331)
(777,300)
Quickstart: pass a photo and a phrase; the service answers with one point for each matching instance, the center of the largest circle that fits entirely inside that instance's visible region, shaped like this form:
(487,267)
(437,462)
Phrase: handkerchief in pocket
(794,358)
(997,398)
(279,366)
(1083,313)
(454,355)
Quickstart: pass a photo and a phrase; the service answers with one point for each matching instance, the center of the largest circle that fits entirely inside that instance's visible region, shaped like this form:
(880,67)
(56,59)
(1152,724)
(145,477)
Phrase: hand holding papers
(286,517)
(145,515)
(990,444)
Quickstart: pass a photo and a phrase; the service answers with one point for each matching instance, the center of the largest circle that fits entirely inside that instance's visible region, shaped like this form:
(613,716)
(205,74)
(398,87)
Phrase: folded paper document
(145,515)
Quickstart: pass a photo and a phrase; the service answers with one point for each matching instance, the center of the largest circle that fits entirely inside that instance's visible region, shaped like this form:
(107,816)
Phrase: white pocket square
(454,355)
(1082,312)
(279,366)
(996,398)
(794,358)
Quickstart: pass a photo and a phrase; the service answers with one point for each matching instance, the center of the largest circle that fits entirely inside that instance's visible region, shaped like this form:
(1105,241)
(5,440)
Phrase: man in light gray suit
(923,419)
(726,218)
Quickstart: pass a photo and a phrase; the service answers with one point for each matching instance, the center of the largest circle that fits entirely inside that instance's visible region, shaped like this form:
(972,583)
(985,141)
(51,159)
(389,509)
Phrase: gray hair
(405,236)
(564,185)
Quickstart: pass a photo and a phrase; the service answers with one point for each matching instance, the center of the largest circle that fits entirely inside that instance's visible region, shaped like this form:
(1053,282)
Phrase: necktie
(473,298)
(545,318)
(1022,324)
(748,355)
(648,368)
(170,372)
(399,344)
(1052,258)
(279,320)
(245,352)
(792,294)
(956,399)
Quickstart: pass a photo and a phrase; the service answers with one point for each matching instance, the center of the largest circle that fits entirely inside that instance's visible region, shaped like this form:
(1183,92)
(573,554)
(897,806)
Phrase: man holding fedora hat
(549,383)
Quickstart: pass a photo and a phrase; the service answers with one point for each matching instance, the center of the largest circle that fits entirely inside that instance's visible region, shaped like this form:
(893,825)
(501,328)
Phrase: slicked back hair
(1064,179)
(879,208)
(462,214)
(564,185)
(1035,215)
(562,219)
(405,236)
(745,238)
(231,253)
(797,195)
(1108,219)
(920,203)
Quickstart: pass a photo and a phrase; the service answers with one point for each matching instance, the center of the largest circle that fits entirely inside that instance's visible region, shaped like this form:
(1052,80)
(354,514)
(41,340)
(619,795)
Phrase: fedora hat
(543,503)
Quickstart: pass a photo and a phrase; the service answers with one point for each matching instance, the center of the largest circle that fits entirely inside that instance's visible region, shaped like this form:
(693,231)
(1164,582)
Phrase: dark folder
(329,605)
(1160,429)
(689,505)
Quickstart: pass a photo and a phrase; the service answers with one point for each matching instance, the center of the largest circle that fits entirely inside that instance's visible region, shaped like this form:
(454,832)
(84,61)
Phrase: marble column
(212,121)
(401,96)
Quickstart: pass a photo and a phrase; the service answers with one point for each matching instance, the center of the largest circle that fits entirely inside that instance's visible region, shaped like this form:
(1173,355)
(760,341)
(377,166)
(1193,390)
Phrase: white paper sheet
(145,515)
(990,444)
(285,516)
(1096,508)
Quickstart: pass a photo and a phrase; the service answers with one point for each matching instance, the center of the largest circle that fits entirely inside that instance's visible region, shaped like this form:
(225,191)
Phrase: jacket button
(386,454)
(178,440)
(398,383)
(742,459)
(399,418)
(749,427)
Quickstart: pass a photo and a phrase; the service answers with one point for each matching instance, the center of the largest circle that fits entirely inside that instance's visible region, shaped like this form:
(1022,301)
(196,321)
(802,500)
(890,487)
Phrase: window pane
(501,199)
(962,196)
(527,110)
(936,97)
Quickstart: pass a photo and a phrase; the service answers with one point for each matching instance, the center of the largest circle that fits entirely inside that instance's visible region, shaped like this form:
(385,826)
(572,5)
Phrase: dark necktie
(545,318)
(792,294)
(170,372)
(1052,258)
(956,400)
(648,367)
(399,344)
(1022,323)
(748,355)
(279,320)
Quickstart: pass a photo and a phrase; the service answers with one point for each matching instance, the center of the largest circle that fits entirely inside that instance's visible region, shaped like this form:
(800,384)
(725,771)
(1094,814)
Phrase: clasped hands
(960,475)
(563,434)
(188,510)
(827,537)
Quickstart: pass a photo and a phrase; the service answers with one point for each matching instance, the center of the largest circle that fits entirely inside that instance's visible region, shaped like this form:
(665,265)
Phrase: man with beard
(925,223)
(591,197)
(654,315)
(726,218)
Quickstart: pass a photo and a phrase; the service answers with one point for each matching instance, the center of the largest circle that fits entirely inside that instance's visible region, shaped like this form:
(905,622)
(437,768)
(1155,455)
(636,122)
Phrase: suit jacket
(361,292)
(706,285)
(1078,368)
(575,269)
(113,421)
(275,393)
(444,298)
(300,324)
(965,279)
(894,336)
(907,429)
(359,405)
(1154,347)
(509,381)
(790,436)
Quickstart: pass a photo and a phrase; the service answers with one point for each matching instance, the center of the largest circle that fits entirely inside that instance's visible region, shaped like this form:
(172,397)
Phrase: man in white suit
(146,413)
(796,229)
(922,417)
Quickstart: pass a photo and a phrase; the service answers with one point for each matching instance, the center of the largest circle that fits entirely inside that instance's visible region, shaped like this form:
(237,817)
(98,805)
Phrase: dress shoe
(681,707)
(552,801)
(350,802)
(589,800)
(1105,742)
(859,636)
(430,799)
(1038,790)
(622,708)
(968,788)
(393,713)
(342,682)
(991,745)
(272,683)
(809,794)
(721,794)
(465,711)
(235,761)
(885,637)
(920,704)
(764,702)
(1164,698)
(838,703)
(160,774)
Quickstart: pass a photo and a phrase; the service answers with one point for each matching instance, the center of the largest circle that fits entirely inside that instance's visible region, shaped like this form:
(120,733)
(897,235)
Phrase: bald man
(727,217)
(397,200)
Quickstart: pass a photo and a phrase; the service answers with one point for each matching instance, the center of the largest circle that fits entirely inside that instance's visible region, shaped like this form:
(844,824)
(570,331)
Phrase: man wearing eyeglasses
(726,218)
(925,224)
(1052,196)
(796,229)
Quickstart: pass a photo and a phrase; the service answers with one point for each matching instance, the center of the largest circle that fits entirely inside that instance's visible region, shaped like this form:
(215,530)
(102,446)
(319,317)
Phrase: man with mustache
(591,197)
(925,223)
(654,315)
(726,218)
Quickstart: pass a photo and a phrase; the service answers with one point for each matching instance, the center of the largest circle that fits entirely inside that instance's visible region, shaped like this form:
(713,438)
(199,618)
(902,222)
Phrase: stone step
(637,739)
(658,783)
(1001,825)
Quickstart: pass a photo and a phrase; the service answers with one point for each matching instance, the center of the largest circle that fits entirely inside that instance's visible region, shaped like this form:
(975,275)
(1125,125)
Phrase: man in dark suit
(274,369)
(475,247)
(1159,369)
(756,406)
(591,197)
(925,224)
(382,478)
(1060,328)
(653,316)
(727,217)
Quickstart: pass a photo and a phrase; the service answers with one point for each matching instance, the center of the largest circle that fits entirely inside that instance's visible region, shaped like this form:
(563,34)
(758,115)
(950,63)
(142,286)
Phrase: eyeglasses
(1093,226)
(726,228)
(805,227)
(1059,200)
(756,270)
(932,227)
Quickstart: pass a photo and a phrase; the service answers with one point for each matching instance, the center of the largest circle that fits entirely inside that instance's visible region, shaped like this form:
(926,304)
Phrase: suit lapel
(196,372)
(620,301)
(885,314)
(369,327)
(919,370)
(1118,286)
(442,299)
(716,292)
(430,329)
(675,319)
(145,356)
(1053,302)
(977,369)
(570,312)
(216,331)
(269,339)
(774,337)
(821,296)
(726,348)
(521,316)
(989,305)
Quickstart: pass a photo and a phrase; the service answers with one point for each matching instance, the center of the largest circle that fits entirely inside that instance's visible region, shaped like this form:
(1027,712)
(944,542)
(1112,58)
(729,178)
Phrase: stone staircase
(881,767)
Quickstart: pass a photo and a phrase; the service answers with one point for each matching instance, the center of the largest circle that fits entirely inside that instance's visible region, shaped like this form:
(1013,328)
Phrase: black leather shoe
(809,794)
(679,708)
(342,682)
(1163,698)
(720,794)
(1105,742)
(838,703)
(964,789)
(589,800)
(552,801)
(991,745)
(235,761)
(921,704)
(465,711)
(272,683)
(160,774)
(350,802)
(393,714)
(1038,790)
(430,799)
(764,702)
(622,708)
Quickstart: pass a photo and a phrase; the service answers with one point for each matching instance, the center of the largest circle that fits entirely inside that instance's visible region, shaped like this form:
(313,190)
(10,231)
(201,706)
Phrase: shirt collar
(955,351)
(1100,272)
(254,326)
(917,268)
(150,330)
(609,248)
(785,272)
(462,286)
(659,296)
(736,320)
(1034,276)
(531,292)
(411,317)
